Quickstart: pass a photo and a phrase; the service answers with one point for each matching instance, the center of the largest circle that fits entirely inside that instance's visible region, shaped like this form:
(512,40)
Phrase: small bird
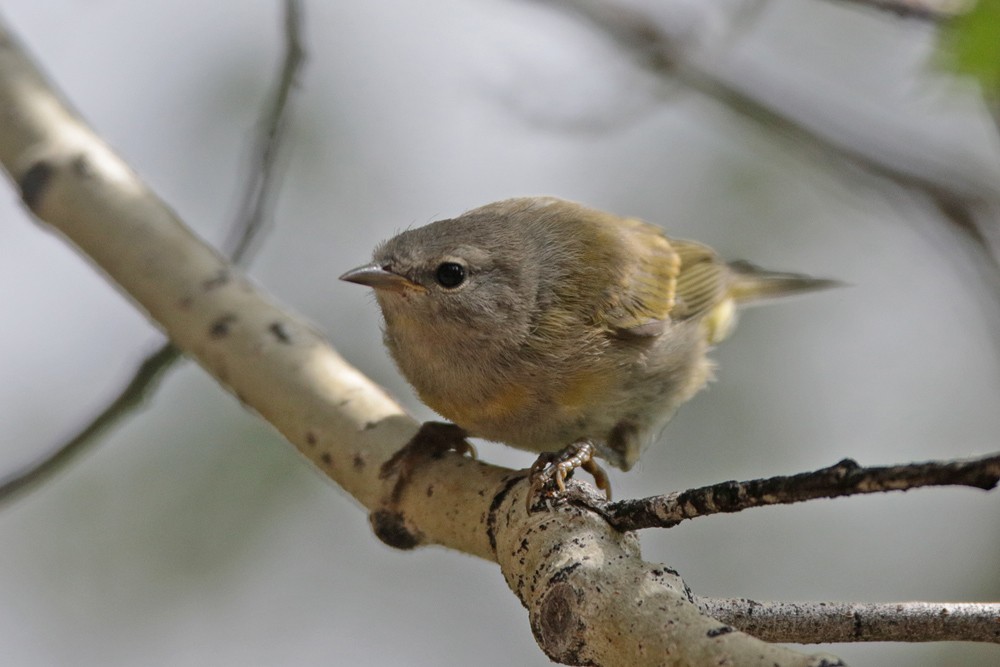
(557,328)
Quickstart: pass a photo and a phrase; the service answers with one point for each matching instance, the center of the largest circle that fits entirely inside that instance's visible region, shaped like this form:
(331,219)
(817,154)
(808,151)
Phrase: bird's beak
(373,275)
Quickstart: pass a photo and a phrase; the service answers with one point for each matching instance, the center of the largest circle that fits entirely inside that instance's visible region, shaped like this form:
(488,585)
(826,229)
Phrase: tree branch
(845,478)
(924,10)
(261,183)
(816,622)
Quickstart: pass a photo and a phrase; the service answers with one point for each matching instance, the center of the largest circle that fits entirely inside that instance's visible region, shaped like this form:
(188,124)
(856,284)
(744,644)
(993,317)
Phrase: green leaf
(972,43)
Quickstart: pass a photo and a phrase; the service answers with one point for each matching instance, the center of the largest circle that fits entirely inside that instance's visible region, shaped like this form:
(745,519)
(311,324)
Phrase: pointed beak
(373,275)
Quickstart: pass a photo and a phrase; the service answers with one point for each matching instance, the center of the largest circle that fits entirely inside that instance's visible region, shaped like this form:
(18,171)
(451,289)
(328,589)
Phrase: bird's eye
(450,275)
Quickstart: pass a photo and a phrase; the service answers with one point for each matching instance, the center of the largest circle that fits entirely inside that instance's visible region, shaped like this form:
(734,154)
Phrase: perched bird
(553,327)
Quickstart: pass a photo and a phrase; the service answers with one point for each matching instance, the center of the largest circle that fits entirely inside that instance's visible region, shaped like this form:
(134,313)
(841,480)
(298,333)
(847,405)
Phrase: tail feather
(753,284)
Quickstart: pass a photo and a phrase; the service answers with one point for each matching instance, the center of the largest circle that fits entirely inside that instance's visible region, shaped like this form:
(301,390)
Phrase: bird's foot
(554,468)
(432,441)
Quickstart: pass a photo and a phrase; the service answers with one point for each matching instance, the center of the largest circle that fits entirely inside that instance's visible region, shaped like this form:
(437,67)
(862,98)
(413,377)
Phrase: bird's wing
(668,280)
(703,281)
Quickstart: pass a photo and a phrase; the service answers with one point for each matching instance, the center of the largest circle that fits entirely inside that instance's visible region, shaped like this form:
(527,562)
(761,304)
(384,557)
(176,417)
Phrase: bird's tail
(752,284)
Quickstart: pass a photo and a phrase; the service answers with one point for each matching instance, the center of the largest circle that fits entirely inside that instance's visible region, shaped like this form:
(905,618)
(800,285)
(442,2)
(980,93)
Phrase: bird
(557,328)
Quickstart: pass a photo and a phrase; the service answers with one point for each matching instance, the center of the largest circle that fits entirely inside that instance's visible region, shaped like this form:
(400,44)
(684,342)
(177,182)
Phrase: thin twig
(822,622)
(845,478)
(143,383)
(254,211)
(934,11)
(253,214)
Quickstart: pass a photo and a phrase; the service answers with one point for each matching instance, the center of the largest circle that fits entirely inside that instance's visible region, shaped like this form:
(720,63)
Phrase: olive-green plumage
(539,322)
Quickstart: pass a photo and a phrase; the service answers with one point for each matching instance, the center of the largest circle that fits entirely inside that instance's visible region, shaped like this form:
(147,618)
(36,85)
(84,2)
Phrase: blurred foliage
(972,44)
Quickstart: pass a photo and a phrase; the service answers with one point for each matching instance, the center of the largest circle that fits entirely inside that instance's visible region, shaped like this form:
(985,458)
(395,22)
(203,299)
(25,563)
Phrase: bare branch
(143,383)
(923,10)
(823,622)
(845,478)
(247,226)
(260,184)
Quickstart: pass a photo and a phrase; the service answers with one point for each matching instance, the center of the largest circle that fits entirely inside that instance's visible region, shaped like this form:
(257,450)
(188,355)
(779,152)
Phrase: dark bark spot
(221,327)
(491,521)
(34,183)
(563,574)
(81,166)
(719,631)
(280,332)
(390,527)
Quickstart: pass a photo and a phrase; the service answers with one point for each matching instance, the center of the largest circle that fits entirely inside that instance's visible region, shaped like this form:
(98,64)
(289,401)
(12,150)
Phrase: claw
(557,467)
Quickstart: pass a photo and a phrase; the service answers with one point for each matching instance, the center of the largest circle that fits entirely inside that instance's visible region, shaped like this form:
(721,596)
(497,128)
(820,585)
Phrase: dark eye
(450,275)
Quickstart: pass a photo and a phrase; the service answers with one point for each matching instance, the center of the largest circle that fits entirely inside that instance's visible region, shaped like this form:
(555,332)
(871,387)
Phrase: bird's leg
(558,466)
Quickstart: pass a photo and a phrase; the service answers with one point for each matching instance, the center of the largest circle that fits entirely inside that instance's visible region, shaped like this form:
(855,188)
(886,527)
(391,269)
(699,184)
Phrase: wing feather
(668,280)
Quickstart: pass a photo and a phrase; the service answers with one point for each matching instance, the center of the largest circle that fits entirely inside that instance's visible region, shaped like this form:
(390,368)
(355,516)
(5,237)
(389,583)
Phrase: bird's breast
(487,414)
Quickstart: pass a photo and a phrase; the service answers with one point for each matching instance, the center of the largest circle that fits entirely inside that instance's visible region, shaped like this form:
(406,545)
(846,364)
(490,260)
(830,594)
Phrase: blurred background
(194,535)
